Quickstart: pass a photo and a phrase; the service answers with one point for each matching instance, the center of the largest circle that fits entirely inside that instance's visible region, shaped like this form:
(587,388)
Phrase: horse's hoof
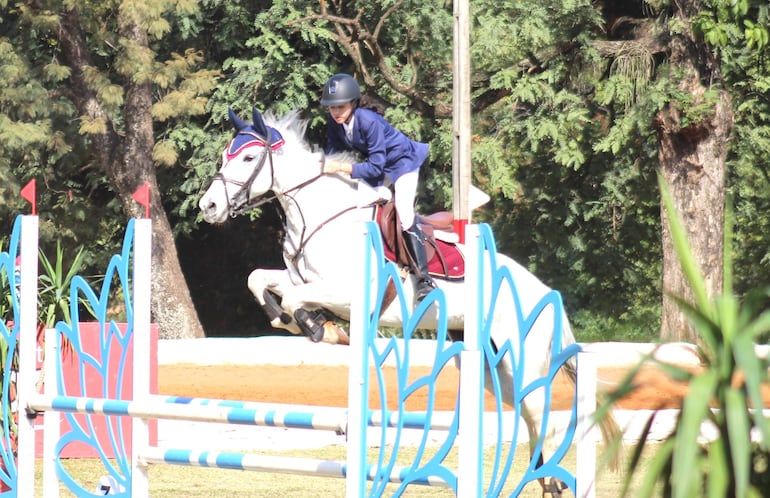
(555,488)
(335,335)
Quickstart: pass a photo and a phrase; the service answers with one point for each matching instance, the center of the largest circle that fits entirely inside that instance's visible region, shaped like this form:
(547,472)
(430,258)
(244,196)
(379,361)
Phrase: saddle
(445,260)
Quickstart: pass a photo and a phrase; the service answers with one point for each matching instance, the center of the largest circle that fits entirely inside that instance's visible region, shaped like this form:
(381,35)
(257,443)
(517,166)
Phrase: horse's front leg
(313,305)
(288,309)
(267,287)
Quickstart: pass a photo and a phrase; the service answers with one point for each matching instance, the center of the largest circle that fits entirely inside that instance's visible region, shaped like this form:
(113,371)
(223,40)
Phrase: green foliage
(725,392)
(44,136)
(564,133)
(7,404)
(748,74)
(639,323)
(6,300)
(54,286)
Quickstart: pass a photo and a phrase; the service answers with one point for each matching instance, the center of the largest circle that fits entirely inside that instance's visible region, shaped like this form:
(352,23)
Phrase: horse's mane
(293,128)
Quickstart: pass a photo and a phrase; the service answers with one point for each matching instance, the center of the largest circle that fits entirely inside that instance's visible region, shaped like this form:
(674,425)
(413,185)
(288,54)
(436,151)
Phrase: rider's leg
(415,243)
(405,191)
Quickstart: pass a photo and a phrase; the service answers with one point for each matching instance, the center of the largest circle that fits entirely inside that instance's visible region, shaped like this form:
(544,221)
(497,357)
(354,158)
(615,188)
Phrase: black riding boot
(415,243)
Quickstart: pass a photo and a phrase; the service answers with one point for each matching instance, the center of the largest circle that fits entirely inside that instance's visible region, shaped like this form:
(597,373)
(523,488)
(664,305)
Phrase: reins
(302,239)
(246,207)
(239,204)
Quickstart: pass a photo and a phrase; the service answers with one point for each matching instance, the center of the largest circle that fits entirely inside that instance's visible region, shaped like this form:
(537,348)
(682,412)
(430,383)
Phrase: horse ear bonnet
(237,122)
(266,132)
(256,134)
(259,123)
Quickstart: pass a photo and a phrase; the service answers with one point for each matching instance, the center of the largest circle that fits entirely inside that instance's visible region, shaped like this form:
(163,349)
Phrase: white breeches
(406,190)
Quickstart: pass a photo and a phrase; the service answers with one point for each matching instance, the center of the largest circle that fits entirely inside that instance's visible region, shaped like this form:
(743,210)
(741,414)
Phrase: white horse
(270,160)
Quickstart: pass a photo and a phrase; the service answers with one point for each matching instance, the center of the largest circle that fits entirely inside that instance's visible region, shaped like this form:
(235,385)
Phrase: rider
(388,154)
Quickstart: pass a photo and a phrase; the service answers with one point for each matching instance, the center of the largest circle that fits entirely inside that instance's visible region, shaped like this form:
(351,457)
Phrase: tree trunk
(172,306)
(127,162)
(692,154)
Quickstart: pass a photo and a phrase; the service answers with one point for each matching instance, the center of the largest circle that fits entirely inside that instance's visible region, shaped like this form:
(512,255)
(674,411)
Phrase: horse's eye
(248,158)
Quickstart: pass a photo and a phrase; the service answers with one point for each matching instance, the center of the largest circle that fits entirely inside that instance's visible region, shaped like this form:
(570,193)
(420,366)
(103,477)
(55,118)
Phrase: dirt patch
(327,386)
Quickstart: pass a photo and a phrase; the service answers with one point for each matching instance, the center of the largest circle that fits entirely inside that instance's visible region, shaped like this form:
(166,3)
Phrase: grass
(171,481)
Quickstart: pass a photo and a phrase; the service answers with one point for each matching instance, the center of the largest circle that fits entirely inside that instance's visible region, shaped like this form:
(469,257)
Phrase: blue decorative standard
(428,463)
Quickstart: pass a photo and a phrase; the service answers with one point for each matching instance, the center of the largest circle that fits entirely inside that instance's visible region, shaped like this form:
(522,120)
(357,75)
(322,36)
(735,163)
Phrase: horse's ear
(237,122)
(259,123)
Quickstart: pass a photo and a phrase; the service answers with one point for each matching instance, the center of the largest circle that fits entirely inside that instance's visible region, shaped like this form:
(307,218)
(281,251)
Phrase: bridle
(240,202)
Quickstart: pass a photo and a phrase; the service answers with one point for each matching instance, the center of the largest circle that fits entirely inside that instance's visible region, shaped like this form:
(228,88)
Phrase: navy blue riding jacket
(387,151)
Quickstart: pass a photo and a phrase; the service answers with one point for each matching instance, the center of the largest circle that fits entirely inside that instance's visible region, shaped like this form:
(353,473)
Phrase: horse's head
(246,172)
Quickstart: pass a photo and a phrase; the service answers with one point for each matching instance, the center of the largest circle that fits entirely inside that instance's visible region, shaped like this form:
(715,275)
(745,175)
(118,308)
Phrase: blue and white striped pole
(204,413)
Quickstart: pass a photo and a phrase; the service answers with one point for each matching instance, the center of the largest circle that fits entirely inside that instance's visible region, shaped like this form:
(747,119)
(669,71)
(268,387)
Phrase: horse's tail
(611,433)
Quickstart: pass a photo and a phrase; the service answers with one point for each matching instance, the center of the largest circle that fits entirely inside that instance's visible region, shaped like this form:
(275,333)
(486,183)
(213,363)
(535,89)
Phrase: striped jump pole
(272,464)
(375,418)
(237,412)
(172,411)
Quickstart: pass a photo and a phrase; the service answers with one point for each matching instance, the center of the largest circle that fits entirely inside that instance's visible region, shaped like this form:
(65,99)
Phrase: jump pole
(25,381)
(140,431)
(358,378)
(470,435)
(159,409)
(461,118)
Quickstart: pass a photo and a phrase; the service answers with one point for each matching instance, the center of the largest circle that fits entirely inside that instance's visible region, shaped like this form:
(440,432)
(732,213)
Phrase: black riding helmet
(340,88)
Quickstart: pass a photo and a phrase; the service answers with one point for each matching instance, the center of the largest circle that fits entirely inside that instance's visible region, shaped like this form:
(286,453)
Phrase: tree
(683,48)
(693,134)
(576,106)
(97,65)
(533,121)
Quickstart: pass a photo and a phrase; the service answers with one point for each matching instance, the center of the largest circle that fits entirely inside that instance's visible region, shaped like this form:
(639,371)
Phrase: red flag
(29,194)
(142,196)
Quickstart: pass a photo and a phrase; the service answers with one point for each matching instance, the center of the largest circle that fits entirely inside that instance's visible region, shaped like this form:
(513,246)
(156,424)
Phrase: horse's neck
(323,200)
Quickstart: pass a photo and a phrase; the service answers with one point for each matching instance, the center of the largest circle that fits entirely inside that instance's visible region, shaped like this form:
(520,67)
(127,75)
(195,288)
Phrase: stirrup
(311,323)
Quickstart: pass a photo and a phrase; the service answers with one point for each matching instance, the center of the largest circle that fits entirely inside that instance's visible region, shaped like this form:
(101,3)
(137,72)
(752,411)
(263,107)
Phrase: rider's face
(341,113)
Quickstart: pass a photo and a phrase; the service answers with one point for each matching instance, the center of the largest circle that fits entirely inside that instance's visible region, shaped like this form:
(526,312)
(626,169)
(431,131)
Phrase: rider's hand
(337,167)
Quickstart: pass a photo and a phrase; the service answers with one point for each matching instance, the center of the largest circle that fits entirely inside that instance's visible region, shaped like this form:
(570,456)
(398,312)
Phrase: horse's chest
(322,244)
(319,259)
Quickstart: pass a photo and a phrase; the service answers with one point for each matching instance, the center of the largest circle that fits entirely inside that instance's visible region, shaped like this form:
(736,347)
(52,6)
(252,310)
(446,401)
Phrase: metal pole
(461,118)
